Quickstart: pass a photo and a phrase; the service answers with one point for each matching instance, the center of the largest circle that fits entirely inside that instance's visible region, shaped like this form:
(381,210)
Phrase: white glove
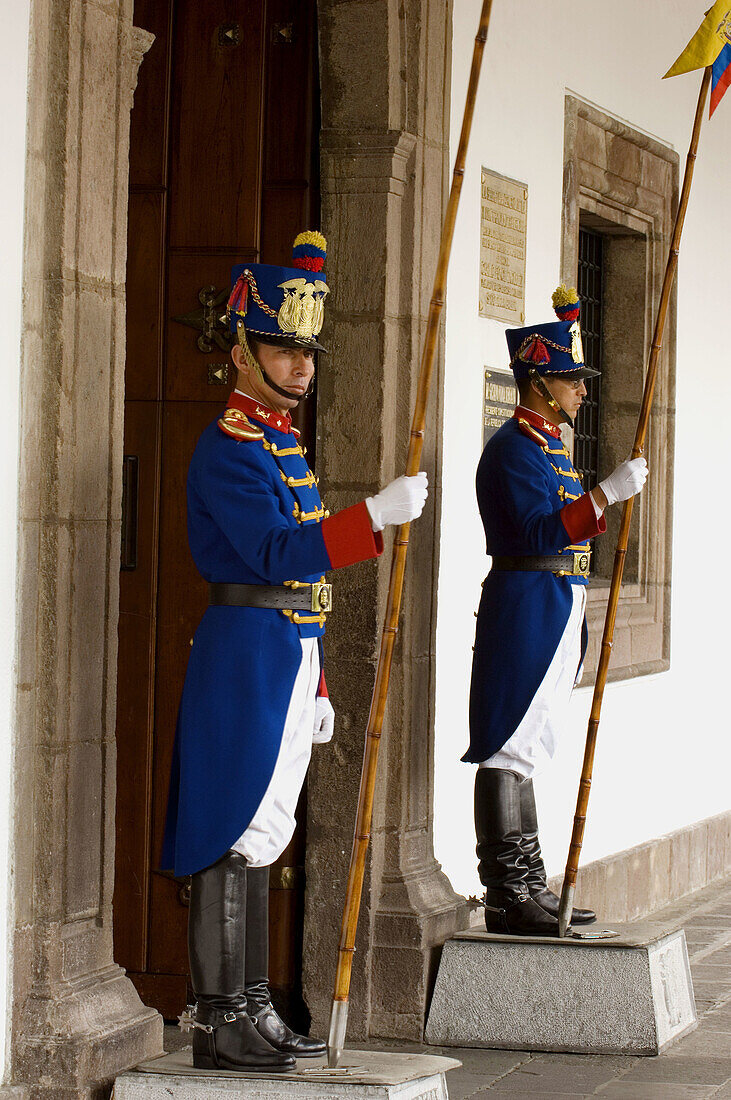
(625,481)
(324,721)
(400,502)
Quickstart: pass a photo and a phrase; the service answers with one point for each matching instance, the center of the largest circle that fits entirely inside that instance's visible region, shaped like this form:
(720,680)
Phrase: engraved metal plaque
(503,222)
(500,397)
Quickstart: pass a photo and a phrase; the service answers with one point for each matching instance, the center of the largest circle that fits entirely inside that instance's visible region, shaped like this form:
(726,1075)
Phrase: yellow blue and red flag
(710,46)
(721,77)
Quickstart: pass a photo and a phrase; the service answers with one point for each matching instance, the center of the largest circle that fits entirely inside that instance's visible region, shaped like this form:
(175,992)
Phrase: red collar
(262,413)
(536,421)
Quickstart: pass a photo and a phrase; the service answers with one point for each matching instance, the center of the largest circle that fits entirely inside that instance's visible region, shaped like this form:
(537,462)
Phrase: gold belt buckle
(322,596)
(582,561)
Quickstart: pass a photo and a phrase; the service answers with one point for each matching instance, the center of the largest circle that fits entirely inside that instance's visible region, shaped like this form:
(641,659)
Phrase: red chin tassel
(536,352)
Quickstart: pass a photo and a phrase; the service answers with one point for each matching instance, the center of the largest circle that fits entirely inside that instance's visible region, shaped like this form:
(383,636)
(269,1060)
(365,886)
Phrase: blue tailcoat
(246,525)
(531,503)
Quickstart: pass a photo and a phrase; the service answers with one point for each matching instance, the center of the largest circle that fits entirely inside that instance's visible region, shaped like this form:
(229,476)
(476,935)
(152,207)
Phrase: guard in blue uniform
(531,629)
(262,538)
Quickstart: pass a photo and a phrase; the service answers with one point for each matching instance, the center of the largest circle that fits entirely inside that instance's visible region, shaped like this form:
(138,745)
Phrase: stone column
(77,1020)
(385,89)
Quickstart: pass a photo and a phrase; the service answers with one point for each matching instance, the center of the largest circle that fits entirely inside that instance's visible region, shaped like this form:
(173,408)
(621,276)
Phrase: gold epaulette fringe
(236,424)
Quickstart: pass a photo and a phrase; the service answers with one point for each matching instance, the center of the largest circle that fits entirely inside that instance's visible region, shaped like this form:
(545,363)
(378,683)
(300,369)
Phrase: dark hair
(524,387)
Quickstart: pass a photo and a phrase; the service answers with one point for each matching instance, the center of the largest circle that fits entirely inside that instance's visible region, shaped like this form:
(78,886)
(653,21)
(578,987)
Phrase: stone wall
(385,96)
(631,884)
(77,1020)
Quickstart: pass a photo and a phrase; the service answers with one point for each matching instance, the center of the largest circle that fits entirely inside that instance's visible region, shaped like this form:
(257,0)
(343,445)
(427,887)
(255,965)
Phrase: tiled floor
(697,1066)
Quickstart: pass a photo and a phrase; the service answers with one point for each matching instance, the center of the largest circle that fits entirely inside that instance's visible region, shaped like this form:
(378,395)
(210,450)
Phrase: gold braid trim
(295,617)
(281,452)
(567,473)
(257,296)
(297,482)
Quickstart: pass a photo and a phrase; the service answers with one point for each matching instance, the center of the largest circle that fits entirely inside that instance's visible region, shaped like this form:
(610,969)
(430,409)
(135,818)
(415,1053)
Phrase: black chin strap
(546,393)
(285,393)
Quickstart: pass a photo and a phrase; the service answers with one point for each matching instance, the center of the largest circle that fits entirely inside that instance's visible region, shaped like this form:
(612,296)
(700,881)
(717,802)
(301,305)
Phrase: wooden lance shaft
(356,871)
(582,802)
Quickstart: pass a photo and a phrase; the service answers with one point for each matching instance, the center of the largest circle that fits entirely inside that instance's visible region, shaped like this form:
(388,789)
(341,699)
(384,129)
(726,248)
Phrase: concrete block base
(362,1075)
(628,995)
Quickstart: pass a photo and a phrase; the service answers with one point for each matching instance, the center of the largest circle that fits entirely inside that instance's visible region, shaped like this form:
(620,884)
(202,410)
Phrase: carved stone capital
(138,43)
(357,163)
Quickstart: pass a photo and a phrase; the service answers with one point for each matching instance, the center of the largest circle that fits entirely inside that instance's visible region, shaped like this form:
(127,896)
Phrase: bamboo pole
(582,802)
(351,909)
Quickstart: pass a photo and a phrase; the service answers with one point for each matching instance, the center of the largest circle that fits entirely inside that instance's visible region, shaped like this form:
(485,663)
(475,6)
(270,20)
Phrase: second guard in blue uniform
(531,630)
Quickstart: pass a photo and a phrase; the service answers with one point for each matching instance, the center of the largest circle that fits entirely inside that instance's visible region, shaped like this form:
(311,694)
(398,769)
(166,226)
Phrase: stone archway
(77,1020)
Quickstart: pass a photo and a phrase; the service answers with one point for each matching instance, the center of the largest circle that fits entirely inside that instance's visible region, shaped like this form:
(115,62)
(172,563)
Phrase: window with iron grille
(586,427)
(616,234)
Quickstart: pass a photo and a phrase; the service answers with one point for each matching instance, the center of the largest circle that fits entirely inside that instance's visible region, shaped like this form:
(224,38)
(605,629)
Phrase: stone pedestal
(362,1075)
(628,995)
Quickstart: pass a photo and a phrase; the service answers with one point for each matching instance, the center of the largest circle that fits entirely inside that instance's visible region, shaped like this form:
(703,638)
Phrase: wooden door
(223,170)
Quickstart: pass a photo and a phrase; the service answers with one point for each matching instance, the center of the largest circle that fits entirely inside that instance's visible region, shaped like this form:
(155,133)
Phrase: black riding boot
(508,904)
(224,1036)
(264,1016)
(536,880)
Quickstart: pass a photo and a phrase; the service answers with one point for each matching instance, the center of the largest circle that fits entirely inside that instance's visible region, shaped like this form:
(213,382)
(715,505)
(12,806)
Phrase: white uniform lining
(533,744)
(273,824)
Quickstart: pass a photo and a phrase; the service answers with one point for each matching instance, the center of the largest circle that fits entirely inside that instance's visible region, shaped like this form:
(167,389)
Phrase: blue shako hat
(554,348)
(282,305)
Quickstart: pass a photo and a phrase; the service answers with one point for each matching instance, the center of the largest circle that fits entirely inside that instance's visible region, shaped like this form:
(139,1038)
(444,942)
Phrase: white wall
(13,97)
(663,754)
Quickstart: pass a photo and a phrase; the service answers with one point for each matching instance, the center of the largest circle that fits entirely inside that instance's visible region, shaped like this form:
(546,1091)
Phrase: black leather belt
(296,596)
(575,564)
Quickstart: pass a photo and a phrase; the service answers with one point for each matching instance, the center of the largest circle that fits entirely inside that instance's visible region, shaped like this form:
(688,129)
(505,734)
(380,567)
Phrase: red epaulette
(530,431)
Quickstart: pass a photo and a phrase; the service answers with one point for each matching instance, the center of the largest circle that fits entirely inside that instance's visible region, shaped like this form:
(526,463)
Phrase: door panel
(182,599)
(145,289)
(187,374)
(222,165)
(148,154)
(216,124)
(135,687)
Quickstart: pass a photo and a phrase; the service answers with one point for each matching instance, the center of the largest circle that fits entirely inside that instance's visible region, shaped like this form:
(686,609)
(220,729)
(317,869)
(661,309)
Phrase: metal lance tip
(336,1038)
(564,909)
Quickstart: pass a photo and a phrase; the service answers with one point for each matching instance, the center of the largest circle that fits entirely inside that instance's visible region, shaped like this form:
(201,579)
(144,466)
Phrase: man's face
(569,394)
(290,368)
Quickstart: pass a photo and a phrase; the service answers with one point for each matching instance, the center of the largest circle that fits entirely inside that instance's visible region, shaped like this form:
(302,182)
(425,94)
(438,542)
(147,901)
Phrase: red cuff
(580,519)
(322,687)
(349,536)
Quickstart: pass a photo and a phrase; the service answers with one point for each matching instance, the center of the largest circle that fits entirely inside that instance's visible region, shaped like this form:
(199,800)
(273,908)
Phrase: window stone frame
(625,183)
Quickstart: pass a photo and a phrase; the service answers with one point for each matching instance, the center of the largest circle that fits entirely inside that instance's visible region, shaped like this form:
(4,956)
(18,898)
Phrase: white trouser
(533,744)
(270,829)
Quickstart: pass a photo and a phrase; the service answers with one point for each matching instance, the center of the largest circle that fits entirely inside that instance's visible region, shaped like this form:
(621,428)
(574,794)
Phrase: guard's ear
(237,356)
(535,387)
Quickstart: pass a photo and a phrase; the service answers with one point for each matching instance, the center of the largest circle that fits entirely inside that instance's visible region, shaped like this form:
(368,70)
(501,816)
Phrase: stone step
(361,1075)
(630,993)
